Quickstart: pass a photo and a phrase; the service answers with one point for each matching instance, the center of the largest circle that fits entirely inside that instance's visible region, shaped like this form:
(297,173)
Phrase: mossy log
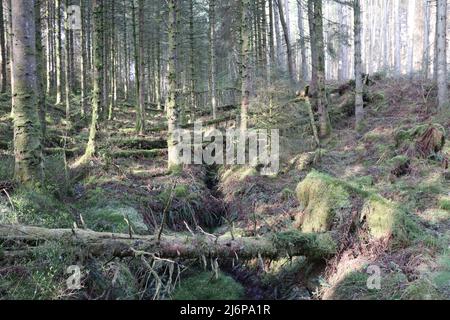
(292,243)
(71,152)
(138,143)
(138,153)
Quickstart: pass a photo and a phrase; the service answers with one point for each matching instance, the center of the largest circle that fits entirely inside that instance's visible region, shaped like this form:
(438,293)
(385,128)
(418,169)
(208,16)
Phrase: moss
(327,199)
(324,199)
(398,161)
(205,286)
(444,203)
(406,135)
(316,246)
(354,287)
(364,181)
(113,218)
(436,216)
(40,208)
(422,289)
(287,194)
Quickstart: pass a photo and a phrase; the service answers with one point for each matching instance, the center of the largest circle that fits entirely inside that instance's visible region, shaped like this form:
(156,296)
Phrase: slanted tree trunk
(284,25)
(27,134)
(443,99)
(359,104)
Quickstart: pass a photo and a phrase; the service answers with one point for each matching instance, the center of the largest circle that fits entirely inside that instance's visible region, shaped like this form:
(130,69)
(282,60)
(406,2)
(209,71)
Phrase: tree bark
(443,99)
(359,104)
(173,111)
(3,51)
(245,63)
(212,57)
(27,134)
(293,243)
(97,80)
(284,25)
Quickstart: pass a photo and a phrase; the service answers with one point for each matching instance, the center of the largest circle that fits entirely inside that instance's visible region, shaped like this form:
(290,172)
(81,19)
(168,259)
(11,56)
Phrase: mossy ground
(205,286)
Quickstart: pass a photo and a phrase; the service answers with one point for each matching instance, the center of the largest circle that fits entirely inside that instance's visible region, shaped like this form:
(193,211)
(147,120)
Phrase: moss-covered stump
(331,204)
(421,141)
(206,286)
(324,200)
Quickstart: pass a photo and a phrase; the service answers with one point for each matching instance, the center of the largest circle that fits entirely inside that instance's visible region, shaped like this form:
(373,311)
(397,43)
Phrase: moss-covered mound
(423,140)
(330,203)
(205,286)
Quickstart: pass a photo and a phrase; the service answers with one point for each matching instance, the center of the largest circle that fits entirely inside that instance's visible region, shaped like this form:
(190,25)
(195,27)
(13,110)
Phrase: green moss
(444,203)
(436,216)
(40,208)
(324,200)
(422,289)
(406,135)
(327,199)
(205,286)
(316,246)
(287,194)
(398,161)
(113,218)
(354,287)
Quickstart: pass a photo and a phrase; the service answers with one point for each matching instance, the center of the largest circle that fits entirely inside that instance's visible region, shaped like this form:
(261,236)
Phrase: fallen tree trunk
(292,243)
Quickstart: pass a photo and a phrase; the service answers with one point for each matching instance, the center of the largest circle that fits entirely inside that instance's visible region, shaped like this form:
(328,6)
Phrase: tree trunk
(40,67)
(318,90)
(67,58)
(398,29)
(301,31)
(443,99)
(3,51)
(193,106)
(212,57)
(359,104)
(426,40)
(173,111)
(245,63)
(27,142)
(293,243)
(83,60)
(59,72)
(97,80)
(290,61)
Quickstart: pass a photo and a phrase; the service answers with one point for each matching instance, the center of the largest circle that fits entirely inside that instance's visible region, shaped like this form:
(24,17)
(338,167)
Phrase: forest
(224,150)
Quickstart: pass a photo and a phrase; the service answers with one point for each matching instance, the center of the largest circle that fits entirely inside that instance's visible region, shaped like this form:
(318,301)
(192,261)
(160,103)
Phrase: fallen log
(292,243)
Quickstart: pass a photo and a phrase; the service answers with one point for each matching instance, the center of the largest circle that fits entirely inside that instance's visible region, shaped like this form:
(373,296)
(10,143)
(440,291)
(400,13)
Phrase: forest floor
(128,185)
